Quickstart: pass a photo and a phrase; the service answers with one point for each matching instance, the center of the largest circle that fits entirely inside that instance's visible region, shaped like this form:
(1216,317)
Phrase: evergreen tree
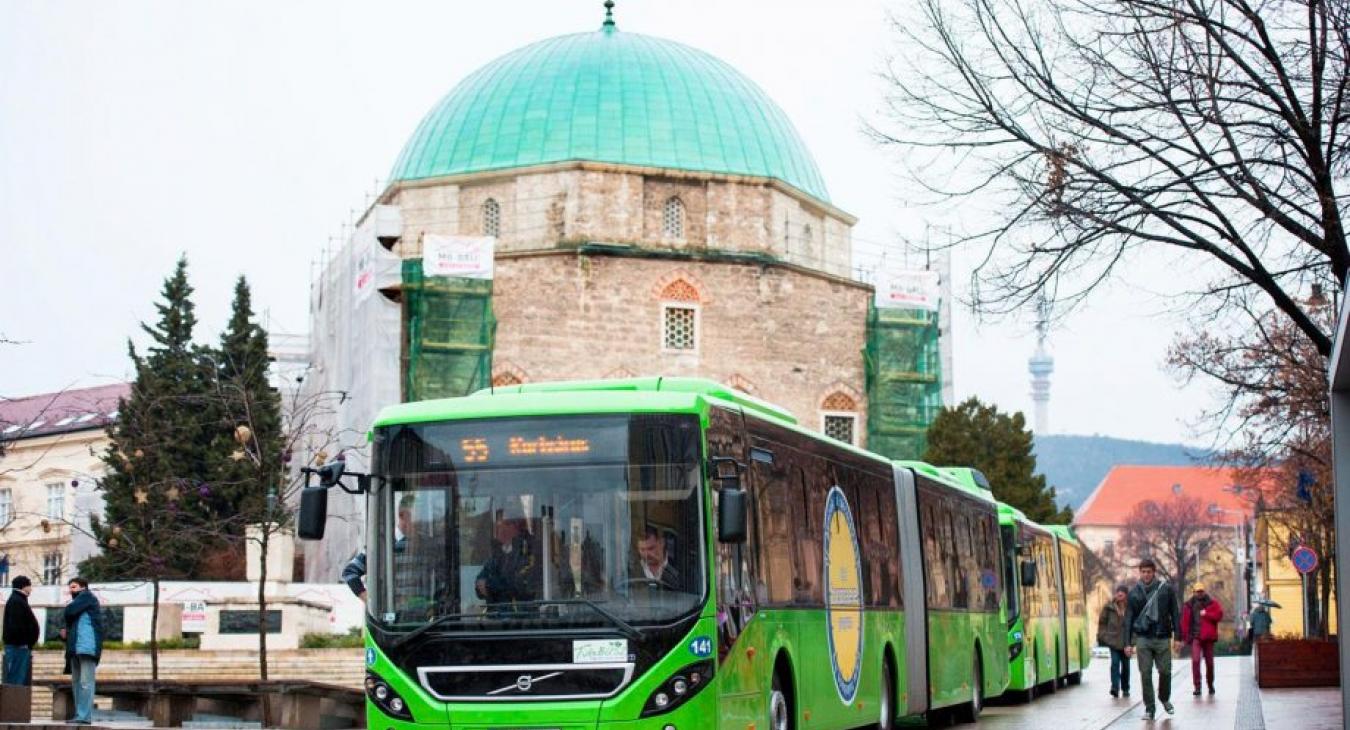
(246,451)
(158,452)
(999,445)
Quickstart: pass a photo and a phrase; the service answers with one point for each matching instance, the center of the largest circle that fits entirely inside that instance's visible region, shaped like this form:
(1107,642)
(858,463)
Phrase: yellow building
(1277,579)
(49,471)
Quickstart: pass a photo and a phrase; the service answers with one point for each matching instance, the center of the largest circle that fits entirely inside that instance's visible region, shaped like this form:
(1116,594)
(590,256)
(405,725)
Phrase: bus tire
(781,711)
(970,712)
(1075,679)
(886,721)
(1046,687)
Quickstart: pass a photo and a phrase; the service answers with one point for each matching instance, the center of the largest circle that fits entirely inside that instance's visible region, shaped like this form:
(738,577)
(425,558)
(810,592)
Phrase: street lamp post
(1241,593)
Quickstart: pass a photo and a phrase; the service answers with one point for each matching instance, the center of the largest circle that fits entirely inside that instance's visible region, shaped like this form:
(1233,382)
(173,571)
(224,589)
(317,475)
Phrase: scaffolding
(904,380)
(448,351)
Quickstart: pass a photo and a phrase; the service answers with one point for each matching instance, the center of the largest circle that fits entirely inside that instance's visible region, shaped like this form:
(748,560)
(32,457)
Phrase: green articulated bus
(664,553)
(1047,610)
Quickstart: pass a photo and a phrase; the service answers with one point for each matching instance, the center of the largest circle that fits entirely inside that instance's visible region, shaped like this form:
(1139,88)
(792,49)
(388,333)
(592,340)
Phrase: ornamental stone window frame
(680,292)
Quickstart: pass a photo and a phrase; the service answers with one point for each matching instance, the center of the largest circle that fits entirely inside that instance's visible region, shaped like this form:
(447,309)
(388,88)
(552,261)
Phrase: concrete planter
(1297,663)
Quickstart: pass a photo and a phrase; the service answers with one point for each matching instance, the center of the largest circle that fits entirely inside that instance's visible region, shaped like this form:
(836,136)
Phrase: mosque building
(610,204)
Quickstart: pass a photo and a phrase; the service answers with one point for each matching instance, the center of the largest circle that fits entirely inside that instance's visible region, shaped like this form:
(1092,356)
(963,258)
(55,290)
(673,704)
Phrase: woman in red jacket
(1200,619)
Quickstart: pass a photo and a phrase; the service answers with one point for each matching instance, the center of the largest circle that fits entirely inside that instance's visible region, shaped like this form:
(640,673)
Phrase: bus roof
(972,480)
(626,395)
(1063,532)
(947,478)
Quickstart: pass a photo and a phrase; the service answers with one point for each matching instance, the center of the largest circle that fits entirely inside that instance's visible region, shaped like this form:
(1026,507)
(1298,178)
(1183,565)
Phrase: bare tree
(1173,533)
(1099,130)
(1274,417)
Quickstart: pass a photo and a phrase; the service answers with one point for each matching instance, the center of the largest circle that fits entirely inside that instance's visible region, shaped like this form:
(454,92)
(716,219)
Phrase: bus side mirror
(731,517)
(1029,573)
(313,512)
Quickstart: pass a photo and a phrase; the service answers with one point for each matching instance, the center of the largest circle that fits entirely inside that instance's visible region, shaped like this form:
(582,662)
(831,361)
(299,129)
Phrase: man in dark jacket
(84,646)
(1150,624)
(20,633)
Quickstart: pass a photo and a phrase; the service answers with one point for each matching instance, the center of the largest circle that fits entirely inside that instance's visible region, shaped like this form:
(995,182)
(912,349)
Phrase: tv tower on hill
(1040,365)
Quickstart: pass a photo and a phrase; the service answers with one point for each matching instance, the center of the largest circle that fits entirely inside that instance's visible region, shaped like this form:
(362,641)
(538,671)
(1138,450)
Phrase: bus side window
(810,561)
(773,507)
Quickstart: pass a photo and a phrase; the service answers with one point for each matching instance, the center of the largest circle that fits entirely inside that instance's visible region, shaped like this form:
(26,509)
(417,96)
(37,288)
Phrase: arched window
(839,417)
(672,218)
(492,217)
(679,307)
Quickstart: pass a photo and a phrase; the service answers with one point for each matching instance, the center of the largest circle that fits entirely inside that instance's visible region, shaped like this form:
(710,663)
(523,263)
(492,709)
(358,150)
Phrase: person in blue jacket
(83,635)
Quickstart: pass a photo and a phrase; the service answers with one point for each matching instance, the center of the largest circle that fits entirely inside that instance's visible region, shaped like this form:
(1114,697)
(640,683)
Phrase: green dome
(609,97)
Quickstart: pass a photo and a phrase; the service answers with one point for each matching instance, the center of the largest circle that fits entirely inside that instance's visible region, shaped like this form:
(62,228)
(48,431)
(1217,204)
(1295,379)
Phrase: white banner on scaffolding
(469,257)
(908,289)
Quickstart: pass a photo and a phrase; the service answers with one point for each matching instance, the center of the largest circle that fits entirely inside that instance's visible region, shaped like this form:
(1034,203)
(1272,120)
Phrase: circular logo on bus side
(843,594)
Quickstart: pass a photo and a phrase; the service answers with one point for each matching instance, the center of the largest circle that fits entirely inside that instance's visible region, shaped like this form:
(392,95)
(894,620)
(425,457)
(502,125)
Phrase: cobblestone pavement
(1238,704)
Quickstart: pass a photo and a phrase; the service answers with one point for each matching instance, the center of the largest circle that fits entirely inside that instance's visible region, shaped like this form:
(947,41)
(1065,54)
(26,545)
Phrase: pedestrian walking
(1260,620)
(1150,625)
(1111,634)
(1200,619)
(83,635)
(20,633)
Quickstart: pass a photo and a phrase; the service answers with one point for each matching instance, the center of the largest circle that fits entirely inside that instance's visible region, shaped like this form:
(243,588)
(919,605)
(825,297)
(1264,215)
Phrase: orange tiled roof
(1126,486)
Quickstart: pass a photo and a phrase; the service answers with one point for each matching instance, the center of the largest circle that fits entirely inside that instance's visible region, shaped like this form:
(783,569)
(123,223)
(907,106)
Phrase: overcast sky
(246,134)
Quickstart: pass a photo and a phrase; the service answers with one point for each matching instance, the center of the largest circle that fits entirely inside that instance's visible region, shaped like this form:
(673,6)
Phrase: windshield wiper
(624,627)
(438,621)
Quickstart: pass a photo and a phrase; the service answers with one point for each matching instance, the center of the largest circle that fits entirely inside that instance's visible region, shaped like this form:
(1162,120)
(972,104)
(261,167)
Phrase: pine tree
(999,445)
(246,450)
(154,514)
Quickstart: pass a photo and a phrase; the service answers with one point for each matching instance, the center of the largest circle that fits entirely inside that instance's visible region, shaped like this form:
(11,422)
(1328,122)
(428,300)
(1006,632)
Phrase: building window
(672,219)
(841,426)
(492,218)
(51,568)
(6,507)
(680,327)
(56,501)
(1109,548)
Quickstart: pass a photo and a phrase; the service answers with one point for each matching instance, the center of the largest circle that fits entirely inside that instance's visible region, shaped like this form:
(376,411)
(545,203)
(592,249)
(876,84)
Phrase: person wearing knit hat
(20,633)
(1200,619)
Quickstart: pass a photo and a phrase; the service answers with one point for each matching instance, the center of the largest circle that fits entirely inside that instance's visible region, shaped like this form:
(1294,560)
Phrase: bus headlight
(677,690)
(1014,650)
(386,698)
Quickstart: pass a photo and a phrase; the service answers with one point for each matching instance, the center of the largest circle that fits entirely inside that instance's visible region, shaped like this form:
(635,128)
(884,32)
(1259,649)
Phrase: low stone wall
(338,666)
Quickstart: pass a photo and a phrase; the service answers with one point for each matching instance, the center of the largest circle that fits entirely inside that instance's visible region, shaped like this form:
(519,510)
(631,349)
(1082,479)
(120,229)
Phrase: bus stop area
(1238,704)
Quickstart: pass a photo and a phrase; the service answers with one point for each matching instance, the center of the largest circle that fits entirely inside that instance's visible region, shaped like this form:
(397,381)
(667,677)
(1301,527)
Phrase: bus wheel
(887,719)
(1075,679)
(972,713)
(780,707)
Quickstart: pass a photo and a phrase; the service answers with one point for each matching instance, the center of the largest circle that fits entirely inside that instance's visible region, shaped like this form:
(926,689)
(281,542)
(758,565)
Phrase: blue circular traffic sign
(1304,559)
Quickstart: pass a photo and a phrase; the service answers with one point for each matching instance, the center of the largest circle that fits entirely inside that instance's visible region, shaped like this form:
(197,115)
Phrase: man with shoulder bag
(1151,622)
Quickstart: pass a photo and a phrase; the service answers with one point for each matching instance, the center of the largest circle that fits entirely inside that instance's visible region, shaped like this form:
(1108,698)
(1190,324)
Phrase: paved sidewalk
(1238,704)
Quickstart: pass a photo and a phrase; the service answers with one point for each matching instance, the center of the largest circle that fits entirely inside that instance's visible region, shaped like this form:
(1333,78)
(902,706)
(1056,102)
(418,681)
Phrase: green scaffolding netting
(450,326)
(904,380)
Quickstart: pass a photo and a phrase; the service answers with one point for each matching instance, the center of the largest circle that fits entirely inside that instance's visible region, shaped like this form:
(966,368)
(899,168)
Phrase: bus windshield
(533,523)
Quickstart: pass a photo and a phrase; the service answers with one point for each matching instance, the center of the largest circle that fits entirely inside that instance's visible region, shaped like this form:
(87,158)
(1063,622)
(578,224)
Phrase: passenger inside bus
(514,568)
